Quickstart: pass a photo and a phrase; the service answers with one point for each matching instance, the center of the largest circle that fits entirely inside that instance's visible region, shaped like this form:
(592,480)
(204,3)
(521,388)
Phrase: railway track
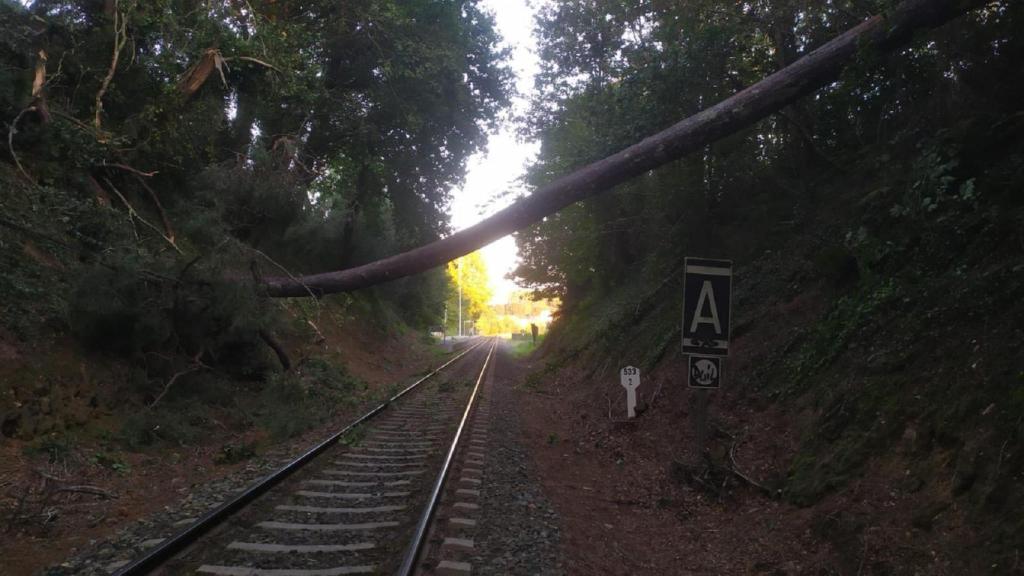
(364,501)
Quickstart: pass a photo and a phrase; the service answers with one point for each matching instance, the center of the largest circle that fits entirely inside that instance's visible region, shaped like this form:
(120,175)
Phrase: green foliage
(183,423)
(851,316)
(524,348)
(323,136)
(469,291)
(354,437)
(277,138)
(850,429)
(296,401)
(285,405)
(42,230)
(837,265)
(893,195)
(612,73)
(232,453)
(934,190)
(534,381)
(57,448)
(112,461)
(131,306)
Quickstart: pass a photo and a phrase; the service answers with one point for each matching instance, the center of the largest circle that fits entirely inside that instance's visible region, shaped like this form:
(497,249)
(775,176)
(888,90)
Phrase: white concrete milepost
(629,377)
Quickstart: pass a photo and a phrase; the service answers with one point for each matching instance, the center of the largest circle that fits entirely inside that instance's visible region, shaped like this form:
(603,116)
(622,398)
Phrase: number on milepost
(630,379)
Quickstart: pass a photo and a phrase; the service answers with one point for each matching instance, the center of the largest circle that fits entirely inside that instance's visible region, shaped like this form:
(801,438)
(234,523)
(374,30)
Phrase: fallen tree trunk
(881,33)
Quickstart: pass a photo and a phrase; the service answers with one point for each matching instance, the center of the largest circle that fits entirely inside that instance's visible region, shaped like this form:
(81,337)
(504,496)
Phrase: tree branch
(133,215)
(818,68)
(805,135)
(257,61)
(128,168)
(168,229)
(38,82)
(120,39)
(282,354)
(167,387)
(30,232)
(11,131)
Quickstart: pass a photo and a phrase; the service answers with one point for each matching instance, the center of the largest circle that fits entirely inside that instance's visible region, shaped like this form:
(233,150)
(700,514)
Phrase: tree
(469,289)
(694,134)
(653,62)
(339,124)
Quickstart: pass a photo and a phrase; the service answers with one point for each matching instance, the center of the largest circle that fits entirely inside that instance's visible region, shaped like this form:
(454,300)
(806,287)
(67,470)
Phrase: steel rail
(423,526)
(175,544)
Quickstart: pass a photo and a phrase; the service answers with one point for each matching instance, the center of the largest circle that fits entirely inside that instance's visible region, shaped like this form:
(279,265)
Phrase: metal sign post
(707,313)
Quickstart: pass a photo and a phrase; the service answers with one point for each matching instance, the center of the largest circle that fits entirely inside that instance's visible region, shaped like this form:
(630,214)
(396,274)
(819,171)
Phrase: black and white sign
(707,295)
(705,371)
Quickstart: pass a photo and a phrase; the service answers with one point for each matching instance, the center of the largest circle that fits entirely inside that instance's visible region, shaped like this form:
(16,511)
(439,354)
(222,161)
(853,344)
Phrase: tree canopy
(614,71)
(163,157)
(470,291)
(321,133)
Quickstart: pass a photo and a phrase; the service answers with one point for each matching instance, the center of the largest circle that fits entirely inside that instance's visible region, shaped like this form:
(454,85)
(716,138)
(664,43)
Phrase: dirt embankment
(72,470)
(855,434)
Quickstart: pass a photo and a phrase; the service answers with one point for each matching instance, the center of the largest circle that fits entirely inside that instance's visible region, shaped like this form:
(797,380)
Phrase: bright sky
(496,172)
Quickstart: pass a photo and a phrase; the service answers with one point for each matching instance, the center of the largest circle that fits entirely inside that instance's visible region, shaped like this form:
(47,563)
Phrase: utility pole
(460,295)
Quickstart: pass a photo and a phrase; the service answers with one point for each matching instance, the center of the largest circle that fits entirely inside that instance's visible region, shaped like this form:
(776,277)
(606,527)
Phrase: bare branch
(120,39)
(168,230)
(167,387)
(133,215)
(309,291)
(11,131)
(127,168)
(735,469)
(257,61)
(85,127)
(93,490)
(40,76)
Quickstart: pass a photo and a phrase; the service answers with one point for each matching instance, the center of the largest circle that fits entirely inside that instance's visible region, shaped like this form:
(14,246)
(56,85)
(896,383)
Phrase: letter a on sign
(707,298)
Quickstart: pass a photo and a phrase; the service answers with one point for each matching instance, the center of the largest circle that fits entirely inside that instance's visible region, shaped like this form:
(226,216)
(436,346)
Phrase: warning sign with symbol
(707,295)
(705,371)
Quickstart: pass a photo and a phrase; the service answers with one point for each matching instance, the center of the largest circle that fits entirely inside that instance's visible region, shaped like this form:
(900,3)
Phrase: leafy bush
(233,453)
(179,423)
(296,401)
(131,306)
(829,338)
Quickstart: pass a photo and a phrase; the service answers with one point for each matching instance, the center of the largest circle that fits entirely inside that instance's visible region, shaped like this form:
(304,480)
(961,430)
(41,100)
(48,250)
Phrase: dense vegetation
(876,227)
(164,155)
(614,72)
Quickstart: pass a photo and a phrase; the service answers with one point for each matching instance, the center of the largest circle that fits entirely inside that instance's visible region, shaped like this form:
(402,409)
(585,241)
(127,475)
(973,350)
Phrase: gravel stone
(141,536)
(518,532)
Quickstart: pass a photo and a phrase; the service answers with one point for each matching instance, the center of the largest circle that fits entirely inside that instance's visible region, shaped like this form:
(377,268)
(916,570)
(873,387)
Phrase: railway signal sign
(707,301)
(705,371)
(630,380)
